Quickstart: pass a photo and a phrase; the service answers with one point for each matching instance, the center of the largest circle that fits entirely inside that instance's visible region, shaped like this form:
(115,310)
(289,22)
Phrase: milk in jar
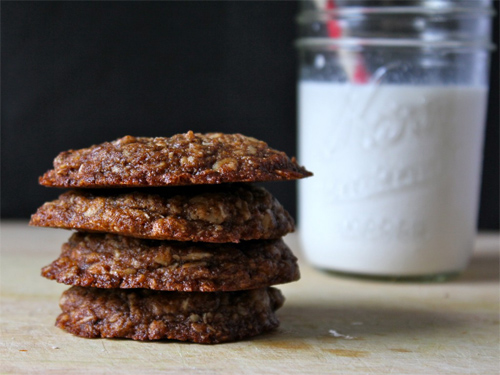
(396,176)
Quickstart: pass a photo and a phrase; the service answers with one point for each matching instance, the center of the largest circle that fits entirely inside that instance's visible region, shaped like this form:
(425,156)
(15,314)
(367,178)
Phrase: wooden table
(329,325)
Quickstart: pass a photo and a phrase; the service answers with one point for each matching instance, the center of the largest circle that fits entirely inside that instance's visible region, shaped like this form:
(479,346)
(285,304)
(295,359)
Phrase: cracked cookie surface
(113,261)
(222,213)
(182,159)
(142,314)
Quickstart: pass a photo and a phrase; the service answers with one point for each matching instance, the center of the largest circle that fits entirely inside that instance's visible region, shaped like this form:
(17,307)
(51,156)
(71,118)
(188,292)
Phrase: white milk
(396,176)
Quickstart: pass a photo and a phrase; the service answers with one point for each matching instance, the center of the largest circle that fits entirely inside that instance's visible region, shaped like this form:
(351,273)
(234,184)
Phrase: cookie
(222,213)
(183,159)
(112,261)
(142,314)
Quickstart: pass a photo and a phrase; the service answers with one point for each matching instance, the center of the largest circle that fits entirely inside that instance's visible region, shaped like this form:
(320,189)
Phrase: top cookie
(183,159)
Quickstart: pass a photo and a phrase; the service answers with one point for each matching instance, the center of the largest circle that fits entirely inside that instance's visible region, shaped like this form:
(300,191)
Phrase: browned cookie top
(222,213)
(183,159)
(142,314)
(111,261)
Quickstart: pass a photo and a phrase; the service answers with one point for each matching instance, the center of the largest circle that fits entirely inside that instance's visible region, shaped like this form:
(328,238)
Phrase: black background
(81,73)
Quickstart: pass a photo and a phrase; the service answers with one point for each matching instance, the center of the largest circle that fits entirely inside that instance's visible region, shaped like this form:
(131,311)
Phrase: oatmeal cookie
(222,213)
(141,314)
(112,261)
(182,159)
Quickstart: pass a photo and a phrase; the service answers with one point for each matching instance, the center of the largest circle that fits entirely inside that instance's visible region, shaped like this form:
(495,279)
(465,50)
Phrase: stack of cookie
(173,241)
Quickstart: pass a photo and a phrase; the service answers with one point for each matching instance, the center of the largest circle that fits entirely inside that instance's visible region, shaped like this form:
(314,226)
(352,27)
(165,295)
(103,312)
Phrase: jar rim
(316,15)
(349,42)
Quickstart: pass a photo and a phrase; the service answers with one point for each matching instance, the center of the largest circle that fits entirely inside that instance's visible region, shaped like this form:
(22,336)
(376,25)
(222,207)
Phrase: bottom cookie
(143,314)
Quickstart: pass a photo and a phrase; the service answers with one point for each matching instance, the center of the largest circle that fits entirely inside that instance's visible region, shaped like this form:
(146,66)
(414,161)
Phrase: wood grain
(329,325)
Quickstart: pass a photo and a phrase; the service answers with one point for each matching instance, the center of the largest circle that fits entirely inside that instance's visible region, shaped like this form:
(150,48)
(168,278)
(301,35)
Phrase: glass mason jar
(391,107)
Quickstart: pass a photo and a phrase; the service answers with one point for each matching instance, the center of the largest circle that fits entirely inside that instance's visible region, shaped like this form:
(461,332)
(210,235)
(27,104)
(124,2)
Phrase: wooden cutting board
(329,325)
